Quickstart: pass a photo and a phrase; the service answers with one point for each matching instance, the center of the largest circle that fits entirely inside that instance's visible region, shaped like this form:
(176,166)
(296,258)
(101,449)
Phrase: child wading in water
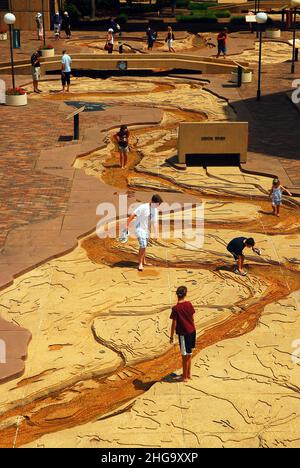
(122,138)
(236,247)
(276,194)
(183,322)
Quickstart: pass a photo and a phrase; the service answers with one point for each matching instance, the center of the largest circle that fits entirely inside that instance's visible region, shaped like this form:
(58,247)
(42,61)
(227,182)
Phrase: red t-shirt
(183,314)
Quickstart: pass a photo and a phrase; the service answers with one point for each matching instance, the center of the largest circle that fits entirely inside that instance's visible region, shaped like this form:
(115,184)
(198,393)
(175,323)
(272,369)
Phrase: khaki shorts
(36,73)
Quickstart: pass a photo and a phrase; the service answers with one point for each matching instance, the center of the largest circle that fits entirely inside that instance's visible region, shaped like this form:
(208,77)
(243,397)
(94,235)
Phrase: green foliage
(139,8)
(182,3)
(82,6)
(222,13)
(73,11)
(238,19)
(122,18)
(201,6)
(199,16)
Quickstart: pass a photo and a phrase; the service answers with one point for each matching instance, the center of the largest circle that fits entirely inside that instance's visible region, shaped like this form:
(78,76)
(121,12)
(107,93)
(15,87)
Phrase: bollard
(76,127)
(296,54)
(239,76)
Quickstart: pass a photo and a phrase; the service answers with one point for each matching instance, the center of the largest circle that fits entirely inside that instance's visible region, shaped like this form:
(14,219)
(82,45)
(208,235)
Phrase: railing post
(76,127)
(239,76)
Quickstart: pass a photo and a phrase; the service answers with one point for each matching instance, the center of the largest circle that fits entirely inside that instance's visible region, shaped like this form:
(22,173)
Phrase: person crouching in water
(123,144)
(236,247)
(182,317)
(276,195)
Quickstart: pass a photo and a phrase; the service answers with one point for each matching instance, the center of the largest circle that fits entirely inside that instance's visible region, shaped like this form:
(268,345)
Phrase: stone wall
(26,10)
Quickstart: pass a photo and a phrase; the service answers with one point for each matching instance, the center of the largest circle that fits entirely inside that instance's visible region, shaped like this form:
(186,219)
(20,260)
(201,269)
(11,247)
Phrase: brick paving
(27,195)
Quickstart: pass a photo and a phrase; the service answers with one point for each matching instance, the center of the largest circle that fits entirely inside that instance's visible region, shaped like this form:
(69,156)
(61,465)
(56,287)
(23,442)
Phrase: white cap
(110,30)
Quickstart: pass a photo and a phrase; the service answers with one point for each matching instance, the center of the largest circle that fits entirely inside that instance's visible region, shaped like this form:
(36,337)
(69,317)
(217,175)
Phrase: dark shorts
(187,343)
(222,49)
(66,78)
(235,255)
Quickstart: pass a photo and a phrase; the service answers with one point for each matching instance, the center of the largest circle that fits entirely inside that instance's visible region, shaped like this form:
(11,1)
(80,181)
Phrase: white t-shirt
(145,215)
(66,60)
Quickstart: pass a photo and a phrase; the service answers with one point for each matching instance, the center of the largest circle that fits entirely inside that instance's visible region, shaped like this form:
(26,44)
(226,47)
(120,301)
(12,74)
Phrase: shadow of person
(125,264)
(172,378)
(224,268)
(140,385)
(266,212)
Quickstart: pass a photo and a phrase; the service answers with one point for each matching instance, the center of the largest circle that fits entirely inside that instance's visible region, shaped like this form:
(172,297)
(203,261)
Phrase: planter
(3,37)
(246,77)
(273,33)
(16,100)
(47,53)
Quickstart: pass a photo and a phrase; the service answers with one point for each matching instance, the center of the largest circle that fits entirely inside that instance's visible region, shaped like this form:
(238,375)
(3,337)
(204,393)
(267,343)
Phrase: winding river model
(99,367)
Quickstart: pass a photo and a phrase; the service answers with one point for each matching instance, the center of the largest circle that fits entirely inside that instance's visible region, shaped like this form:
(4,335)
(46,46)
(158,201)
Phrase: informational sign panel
(212,138)
(250,18)
(122,65)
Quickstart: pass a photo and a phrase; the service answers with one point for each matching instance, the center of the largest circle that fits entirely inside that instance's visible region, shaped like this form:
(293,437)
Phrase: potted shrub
(273,33)
(47,51)
(16,97)
(3,34)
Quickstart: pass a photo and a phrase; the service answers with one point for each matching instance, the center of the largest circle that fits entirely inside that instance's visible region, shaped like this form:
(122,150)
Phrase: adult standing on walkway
(36,71)
(145,216)
(57,24)
(39,26)
(66,24)
(151,38)
(222,43)
(109,46)
(66,62)
(169,39)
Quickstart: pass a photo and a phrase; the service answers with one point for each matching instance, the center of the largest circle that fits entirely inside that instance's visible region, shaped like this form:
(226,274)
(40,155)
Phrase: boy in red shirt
(222,38)
(183,322)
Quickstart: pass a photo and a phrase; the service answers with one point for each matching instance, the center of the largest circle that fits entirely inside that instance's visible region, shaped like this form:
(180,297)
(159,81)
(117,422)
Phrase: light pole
(261,18)
(43,18)
(257,6)
(294,4)
(10,19)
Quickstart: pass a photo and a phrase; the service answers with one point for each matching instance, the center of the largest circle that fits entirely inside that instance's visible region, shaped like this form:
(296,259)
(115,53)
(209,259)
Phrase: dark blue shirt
(237,245)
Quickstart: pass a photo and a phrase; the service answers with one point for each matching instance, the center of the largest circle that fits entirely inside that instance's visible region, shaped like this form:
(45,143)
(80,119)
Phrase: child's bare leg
(277,210)
(274,209)
(184,368)
(121,159)
(125,158)
(240,262)
(189,370)
(142,254)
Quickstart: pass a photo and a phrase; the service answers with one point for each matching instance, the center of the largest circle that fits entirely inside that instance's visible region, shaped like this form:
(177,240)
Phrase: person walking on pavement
(39,25)
(66,23)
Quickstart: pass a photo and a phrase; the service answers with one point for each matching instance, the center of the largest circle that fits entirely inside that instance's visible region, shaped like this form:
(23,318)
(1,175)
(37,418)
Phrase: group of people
(66,62)
(59,22)
(182,316)
(153,35)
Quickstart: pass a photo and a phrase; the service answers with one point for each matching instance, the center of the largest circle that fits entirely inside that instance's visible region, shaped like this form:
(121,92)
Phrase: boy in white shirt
(66,62)
(145,215)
